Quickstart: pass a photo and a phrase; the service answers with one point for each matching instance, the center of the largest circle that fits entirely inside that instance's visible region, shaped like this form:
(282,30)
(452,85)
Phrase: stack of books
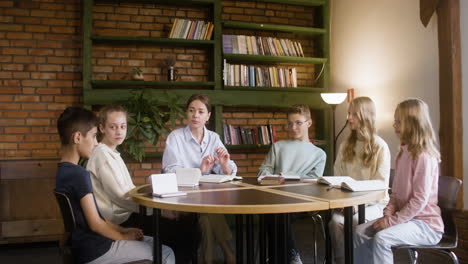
(262,135)
(250,75)
(191,29)
(253,45)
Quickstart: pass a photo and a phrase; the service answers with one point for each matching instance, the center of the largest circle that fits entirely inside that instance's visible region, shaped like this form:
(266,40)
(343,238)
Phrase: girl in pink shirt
(412,216)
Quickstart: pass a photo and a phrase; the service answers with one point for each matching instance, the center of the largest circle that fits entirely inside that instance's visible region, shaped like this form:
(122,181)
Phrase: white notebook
(346,182)
(165,185)
(218,178)
(188,176)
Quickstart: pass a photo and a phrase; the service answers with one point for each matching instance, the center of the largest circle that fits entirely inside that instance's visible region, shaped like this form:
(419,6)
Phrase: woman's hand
(207,163)
(379,224)
(224,158)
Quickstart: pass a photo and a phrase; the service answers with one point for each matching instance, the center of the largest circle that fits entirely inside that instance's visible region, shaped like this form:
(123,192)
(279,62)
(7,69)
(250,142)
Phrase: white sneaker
(296,258)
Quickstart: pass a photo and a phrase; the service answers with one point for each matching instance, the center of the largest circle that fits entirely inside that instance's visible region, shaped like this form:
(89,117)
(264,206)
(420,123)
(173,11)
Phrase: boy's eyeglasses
(296,123)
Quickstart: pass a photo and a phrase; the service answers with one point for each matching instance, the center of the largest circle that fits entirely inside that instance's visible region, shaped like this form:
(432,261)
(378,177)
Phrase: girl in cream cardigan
(363,156)
(112,183)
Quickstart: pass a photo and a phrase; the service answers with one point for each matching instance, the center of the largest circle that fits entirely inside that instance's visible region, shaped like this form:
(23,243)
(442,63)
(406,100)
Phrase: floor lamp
(333,99)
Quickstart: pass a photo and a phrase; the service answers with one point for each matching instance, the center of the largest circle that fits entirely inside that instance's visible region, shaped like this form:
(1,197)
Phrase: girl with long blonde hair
(412,216)
(363,156)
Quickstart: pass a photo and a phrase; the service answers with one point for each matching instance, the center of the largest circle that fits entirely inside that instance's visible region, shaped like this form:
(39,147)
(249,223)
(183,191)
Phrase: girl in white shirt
(112,183)
(362,156)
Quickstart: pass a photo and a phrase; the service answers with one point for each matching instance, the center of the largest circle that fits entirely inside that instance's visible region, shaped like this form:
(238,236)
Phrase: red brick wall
(40,74)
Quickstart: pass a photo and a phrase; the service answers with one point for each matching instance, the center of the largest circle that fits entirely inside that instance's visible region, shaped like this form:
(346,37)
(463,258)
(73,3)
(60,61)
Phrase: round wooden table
(248,198)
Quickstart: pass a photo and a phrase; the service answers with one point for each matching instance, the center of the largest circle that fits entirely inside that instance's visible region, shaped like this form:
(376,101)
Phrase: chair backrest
(67,211)
(448,192)
(390,180)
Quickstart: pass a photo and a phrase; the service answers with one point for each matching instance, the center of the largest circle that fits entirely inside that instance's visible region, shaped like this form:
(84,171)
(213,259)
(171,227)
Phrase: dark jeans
(182,235)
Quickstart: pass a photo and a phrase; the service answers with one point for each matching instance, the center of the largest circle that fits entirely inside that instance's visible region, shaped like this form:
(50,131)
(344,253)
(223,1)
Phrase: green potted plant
(137,74)
(149,118)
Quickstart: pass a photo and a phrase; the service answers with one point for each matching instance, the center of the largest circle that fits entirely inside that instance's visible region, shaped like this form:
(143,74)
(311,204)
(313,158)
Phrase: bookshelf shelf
(309,3)
(189,3)
(273,27)
(267,99)
(159,41)
(248,146)
(264,59)
(149,83)
(282,89)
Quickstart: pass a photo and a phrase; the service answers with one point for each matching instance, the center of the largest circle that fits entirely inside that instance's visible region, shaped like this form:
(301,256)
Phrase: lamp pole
(333,106)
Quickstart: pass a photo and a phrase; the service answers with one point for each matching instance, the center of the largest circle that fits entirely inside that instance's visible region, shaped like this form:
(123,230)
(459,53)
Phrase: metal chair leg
(322,228)
(315,238)
(452,255)
(413,255)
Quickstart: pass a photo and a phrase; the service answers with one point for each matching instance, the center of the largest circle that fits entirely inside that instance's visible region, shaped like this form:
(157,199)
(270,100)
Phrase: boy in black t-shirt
(94,240)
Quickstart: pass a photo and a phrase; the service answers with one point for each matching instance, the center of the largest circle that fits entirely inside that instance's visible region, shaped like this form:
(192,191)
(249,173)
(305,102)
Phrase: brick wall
(40,74)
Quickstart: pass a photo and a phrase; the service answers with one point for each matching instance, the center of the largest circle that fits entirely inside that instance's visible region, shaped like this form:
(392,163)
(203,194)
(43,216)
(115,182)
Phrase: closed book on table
(272,180)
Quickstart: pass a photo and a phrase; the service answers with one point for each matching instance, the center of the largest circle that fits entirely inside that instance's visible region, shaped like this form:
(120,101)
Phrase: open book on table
(218,178)
(346,182)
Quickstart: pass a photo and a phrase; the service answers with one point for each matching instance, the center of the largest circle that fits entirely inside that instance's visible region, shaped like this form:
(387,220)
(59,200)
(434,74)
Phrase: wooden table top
(248,197)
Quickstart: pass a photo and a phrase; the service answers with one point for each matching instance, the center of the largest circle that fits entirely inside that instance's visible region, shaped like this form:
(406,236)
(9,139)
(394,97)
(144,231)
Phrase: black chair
(448,194)
(69,223)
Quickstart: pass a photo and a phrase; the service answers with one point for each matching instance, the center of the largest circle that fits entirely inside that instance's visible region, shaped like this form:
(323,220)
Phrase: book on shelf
(255,45)
(218,178)
(346,182)
(256,76)
(191,29)
(262,135)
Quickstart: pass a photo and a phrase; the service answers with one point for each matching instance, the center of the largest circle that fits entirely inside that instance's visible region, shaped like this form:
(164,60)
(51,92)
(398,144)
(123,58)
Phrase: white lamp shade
(333,98)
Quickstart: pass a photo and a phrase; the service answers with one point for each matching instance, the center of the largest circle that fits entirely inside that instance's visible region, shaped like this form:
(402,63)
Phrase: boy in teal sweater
(295,156)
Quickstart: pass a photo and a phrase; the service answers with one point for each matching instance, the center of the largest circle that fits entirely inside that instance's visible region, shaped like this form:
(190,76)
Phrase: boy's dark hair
(74,119)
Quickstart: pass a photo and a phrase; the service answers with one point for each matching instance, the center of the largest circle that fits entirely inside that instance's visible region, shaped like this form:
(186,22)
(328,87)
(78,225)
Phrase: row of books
(253,45)
(191,29)
(263,135)
(250,75)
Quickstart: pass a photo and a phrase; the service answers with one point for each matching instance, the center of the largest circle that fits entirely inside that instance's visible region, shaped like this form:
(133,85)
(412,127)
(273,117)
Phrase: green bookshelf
(275,89)
(98,92)
(264,59)
(155,84)
(274,27)
(157,41)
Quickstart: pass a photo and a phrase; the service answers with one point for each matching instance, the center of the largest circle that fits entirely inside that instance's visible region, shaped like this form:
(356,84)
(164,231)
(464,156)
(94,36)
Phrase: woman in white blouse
(112,183)
(363,156)
(197,147)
